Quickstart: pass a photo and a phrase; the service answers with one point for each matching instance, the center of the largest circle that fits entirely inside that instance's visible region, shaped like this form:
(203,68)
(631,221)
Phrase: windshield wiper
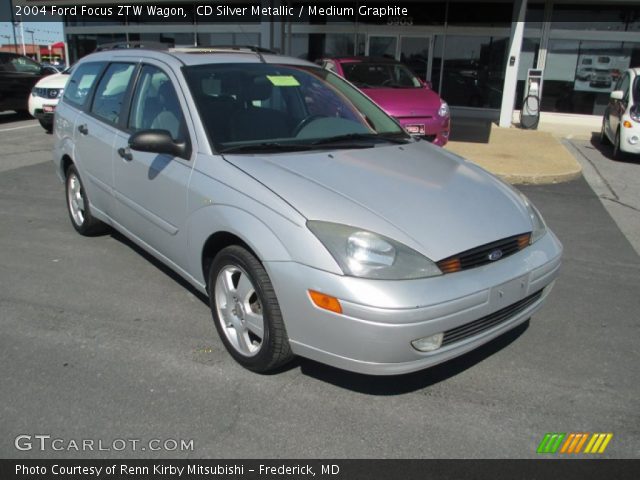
(355,137)
(265,147)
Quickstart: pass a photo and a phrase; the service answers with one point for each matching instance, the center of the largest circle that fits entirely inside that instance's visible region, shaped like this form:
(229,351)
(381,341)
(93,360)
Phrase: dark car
(18,75)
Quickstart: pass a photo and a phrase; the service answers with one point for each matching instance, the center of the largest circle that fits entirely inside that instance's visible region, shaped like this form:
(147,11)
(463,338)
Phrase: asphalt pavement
(99,342)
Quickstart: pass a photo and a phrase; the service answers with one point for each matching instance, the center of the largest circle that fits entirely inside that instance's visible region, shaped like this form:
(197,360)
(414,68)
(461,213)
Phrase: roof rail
(132,44)
(224,48)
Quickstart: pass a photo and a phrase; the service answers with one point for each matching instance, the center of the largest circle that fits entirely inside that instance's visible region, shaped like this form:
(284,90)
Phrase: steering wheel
(304,122)
(388,81)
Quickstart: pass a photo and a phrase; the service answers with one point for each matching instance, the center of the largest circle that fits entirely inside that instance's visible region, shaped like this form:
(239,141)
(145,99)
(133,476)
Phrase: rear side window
(110,93)
(77,90)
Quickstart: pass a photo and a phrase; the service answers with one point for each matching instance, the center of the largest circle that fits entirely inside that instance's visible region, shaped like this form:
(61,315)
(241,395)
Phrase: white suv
(44,98)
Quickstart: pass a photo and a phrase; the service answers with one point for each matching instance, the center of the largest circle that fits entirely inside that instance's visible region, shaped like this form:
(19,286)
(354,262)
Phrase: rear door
(151,189)
(95,133)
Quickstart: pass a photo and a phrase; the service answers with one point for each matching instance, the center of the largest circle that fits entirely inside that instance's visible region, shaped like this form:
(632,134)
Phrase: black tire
(86,224)
(604,140)
(617,153)
(273,350)
(48,126)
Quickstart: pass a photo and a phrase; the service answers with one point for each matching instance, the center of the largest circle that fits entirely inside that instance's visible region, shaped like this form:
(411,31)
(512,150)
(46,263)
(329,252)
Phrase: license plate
(48,108)
(510,292)
(415,129)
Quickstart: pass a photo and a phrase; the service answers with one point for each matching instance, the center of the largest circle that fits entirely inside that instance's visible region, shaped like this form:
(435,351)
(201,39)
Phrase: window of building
(315,46)
(473,73)
(580,74)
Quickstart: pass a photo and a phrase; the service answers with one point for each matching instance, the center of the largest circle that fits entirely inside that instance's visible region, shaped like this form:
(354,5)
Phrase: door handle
(83,129)
(125,153)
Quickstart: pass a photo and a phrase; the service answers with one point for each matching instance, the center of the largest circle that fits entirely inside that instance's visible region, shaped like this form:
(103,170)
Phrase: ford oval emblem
(495,255)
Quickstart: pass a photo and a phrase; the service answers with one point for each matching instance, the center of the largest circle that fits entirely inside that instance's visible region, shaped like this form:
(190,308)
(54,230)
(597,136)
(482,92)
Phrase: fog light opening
(428,344)
(326,302)
(633,140)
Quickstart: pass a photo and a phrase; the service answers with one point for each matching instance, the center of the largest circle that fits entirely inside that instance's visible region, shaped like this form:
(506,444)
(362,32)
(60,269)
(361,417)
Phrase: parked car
(316,225)
(601,78)
(18,75)
(621,121)
(44,98)
(400,93)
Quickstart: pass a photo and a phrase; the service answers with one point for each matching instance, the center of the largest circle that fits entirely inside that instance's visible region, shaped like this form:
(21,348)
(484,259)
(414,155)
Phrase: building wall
(459,46)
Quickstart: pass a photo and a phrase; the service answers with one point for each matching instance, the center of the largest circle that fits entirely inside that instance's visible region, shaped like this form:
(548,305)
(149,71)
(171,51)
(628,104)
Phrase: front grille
(47,92)
(485,323)
(484,254)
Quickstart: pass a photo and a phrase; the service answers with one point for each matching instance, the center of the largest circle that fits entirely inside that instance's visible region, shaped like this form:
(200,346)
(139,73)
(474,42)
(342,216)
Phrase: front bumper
(380,318)
(436,129)
(630,138)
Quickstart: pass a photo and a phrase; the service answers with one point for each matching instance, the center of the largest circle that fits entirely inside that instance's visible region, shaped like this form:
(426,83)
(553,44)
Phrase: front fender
(261,229)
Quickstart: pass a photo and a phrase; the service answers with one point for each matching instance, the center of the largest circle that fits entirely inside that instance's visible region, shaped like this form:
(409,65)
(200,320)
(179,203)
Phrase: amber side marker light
(524,240)
(326,302)
(627,124)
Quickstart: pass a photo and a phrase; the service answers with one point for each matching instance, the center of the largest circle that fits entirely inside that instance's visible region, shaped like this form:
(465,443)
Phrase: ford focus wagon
(314,223)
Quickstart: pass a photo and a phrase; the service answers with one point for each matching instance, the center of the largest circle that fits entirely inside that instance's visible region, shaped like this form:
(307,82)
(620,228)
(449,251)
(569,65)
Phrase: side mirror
(617,95)
(158,141)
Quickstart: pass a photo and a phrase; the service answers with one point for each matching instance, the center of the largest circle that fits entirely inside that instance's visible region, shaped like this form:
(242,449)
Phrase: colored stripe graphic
(574,443)
(551,442)
(598,443)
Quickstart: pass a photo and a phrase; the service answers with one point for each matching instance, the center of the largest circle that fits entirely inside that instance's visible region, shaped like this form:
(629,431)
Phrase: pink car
(399,92)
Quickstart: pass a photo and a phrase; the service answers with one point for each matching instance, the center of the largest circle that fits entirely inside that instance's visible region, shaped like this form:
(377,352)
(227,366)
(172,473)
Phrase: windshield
(271,106)
(380,75)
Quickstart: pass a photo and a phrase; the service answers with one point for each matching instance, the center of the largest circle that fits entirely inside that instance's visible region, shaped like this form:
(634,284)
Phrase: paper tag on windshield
(283,80)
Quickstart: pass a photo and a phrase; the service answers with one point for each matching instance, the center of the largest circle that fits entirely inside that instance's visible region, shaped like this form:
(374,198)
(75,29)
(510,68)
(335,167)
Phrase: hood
(420,195)
(405,102)
(57,80)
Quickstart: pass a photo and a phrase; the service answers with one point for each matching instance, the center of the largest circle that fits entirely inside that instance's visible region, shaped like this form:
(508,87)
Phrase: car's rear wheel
(78,206)
(604,140)
(246,311)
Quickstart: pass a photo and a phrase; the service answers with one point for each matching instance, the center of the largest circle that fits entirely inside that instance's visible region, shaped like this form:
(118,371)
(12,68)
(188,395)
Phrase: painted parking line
(17,128)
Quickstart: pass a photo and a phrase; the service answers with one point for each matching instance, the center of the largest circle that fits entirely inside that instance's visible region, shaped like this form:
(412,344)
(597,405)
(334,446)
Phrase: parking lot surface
(100,342)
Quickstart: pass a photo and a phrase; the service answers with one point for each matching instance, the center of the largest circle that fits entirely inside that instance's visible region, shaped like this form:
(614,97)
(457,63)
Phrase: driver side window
(156,105)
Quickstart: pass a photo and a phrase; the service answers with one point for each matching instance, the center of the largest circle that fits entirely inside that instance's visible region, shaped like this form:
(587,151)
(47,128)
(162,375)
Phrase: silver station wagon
(314,223)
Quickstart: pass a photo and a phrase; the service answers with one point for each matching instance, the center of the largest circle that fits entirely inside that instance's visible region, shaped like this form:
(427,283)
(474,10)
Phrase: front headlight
(539,227)
(443,111)
(365,254)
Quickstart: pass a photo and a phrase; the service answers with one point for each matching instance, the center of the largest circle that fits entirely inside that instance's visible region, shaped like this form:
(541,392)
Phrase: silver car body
(424,197)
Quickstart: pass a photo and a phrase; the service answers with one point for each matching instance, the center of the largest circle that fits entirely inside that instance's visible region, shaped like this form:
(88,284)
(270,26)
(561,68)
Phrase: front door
(150,188)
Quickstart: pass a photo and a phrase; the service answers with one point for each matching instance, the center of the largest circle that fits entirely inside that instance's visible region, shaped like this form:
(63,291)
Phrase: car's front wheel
(246,311)
(618,154)
(48,126)
(78,206)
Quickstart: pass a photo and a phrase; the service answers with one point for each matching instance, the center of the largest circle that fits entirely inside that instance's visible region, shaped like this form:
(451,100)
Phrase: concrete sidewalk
(523,156)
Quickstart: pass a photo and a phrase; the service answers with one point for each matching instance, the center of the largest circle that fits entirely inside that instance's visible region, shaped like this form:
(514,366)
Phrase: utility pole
(24,50)
(36,50)
(13,26)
